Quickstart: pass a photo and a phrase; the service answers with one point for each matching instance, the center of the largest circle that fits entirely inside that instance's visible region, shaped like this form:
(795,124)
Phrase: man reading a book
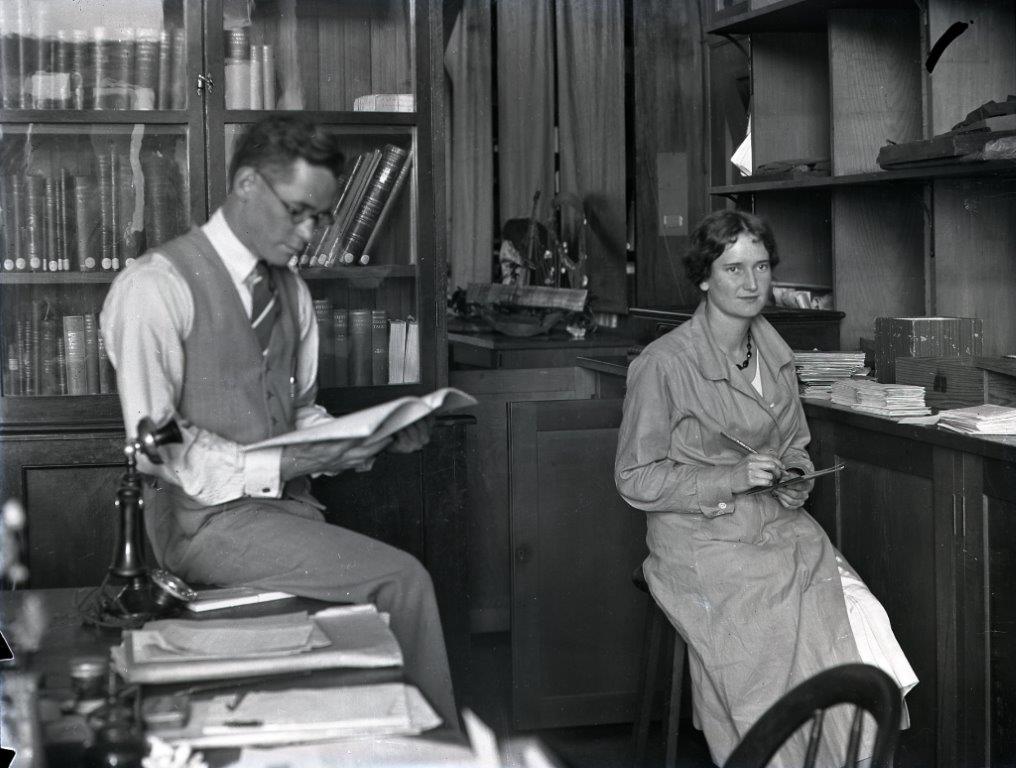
(215,330)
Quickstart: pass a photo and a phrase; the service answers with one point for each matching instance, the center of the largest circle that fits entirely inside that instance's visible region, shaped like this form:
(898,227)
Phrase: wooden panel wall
(668,117)
(878,257)
(790,103)
(977,66)
(801,224)
(875,84)
(975,267)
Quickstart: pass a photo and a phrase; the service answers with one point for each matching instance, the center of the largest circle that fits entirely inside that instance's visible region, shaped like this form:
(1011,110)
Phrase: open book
(376,423)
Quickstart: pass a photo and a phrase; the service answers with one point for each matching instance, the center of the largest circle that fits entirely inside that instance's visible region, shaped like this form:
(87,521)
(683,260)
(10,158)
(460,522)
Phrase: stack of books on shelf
(362,347)
(53,353)
(85,222)
(45,67)
(367,194)
(250,71)
(890,400)
(987,419)
(818,371)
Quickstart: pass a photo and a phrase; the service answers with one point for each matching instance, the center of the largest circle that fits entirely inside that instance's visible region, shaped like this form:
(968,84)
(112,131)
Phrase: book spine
(12,378)
(335,254)
(107,377)
(61,360)
(104,257)
(49,358)
(268,75)
(146,70)
(37,312)
(35,226)
(379,346)
(378,189)
(9,224)
(64,81)
(64,232)
(360,363)
(10,64)
(178,79)
(101,56)
(162,95)
(17,193)
(114,186)
(323,253)
(51,256)
(326,342)
(91,353)
(411,372)
(81,71)
(74,351)
(340,328)
(257,88)
(85,223)
(393,195)
(25,350)
(237,68)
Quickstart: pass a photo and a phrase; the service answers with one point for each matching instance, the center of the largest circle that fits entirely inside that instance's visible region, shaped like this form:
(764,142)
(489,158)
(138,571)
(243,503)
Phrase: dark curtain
(471,175)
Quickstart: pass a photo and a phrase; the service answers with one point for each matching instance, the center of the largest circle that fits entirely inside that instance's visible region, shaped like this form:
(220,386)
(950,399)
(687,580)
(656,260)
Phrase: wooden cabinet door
(68,484)
(884,513)
(577,619)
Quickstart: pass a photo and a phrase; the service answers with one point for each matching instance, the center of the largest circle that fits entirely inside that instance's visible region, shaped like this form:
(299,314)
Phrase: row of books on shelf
(363,347)
(43,66)
(250,71)
(50,353)
(365,201)
(67,223)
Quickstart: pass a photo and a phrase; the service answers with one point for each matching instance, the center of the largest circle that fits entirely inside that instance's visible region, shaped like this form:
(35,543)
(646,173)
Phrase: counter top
(1000,447)
(492,340)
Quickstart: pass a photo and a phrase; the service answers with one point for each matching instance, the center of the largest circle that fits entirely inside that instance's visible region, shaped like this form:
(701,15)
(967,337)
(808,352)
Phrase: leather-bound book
(326,342)
(340,330)
(87,225)
(377,192)
(35,221)
(74,352)
(379,346)
(146,70)
(91,327)
(49,358)
(361,367)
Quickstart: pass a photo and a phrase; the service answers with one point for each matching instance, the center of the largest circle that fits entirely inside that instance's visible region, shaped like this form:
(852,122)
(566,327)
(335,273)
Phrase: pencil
(743,446)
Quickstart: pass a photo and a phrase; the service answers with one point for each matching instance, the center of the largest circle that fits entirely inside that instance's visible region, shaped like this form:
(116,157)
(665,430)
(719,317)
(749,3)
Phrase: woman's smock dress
(753,587)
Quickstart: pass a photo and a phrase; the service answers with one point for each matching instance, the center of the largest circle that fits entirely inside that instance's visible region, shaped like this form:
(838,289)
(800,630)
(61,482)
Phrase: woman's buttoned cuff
(261,473)
(713,489)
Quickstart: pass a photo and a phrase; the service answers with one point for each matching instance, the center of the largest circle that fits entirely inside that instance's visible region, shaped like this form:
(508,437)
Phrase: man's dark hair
(718,230)
(274,143)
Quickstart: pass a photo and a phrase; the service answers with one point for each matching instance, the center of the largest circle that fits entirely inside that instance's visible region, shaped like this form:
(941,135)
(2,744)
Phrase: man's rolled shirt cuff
(261,470)
(712,486)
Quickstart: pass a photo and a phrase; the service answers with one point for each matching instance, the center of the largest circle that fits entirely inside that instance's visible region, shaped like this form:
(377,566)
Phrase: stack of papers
(890,400)
(818,371)
(185,650)
(987,419)
(301,715)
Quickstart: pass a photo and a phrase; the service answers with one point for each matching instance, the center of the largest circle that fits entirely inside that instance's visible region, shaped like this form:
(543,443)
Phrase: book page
(376,423)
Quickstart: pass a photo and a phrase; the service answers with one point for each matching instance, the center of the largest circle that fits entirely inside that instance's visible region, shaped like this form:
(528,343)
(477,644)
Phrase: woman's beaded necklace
(747,358)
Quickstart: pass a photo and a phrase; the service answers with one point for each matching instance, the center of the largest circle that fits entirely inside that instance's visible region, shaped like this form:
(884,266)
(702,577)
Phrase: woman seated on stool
(751,581)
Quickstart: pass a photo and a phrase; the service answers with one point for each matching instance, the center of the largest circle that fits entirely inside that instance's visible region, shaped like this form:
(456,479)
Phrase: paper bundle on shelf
(987,419)
(818,371)
(890,400)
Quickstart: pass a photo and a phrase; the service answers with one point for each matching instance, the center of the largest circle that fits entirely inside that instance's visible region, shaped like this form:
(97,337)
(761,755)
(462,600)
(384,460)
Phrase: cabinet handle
(963,515)
(204,81)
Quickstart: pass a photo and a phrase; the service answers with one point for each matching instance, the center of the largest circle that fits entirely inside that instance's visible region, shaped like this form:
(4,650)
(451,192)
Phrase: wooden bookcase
(61,453)
(837,80)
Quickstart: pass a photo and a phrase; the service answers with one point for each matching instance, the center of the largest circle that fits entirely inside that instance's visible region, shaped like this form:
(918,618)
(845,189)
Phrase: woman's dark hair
(718,230)
(274,143)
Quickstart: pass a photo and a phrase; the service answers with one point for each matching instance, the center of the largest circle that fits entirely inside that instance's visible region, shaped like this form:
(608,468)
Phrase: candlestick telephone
(131,593)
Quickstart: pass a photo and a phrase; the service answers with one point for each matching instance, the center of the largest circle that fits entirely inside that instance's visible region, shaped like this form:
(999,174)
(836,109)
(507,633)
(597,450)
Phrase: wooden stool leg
(674,705)
(652,640)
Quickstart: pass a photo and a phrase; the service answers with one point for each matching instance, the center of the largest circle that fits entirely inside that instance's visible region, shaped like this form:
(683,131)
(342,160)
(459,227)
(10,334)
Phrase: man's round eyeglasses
(299,214)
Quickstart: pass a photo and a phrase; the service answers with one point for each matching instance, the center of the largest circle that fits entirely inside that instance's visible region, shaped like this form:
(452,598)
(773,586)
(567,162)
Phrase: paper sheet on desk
(376,423)
(358,637)
(298,715)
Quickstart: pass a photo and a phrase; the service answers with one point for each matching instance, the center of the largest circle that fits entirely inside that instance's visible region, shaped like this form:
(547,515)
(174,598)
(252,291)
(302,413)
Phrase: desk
(66,637)
(556,349)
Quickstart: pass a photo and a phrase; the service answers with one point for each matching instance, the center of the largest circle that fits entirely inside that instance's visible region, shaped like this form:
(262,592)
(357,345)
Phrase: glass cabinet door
(68,54)
(318,55)
(79,203)
(361,265)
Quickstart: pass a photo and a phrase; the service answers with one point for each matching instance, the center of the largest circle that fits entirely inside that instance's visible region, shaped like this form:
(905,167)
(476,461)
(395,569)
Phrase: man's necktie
(264,306)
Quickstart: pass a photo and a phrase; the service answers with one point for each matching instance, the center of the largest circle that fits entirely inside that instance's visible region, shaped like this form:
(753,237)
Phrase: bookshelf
(837,80)
(117,137)
(61,453)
